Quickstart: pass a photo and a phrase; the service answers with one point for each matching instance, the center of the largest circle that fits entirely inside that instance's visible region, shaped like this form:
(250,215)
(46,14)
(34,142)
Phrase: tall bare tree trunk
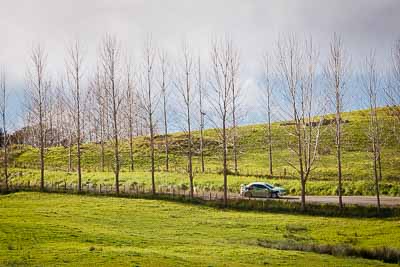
(186,92)
(268,95)
(149,105)
(37,97)
(221,98)
(235,150)
(163,83)
(102,158)
(300,158)
(153,184)
(110,63)
(371,84)
(3,115)
(190,154)
(376,174)
(225,163)
(202,114)
(42,144)
(270,141)
(101,87)
(74,71)
(130,100)
(132,165)
(70,151)
(235,93)
(339,154)
(336,74)
(380,163)
(166,133)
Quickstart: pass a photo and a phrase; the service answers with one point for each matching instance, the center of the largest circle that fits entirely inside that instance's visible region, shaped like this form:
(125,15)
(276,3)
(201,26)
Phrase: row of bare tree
(119,101)
(306,104)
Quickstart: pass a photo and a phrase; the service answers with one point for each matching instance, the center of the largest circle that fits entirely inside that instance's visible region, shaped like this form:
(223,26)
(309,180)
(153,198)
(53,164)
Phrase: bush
(385,254)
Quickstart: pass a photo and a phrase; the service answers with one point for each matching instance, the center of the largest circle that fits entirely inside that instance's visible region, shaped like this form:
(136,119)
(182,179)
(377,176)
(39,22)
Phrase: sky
(254,25)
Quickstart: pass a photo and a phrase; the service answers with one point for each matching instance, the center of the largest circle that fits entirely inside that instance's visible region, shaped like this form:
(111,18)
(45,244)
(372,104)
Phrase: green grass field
(53,229)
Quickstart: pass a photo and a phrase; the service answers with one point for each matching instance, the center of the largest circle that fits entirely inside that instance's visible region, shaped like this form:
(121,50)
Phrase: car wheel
(247,194)
(274,195)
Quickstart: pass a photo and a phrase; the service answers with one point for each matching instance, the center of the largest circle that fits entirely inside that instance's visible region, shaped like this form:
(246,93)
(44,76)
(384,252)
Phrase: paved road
(358,200)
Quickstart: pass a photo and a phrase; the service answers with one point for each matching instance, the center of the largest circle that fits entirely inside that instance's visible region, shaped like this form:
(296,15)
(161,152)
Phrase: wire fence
(134,190)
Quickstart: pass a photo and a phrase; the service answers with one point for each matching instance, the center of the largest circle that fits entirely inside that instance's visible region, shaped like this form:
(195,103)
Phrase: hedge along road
(354,200)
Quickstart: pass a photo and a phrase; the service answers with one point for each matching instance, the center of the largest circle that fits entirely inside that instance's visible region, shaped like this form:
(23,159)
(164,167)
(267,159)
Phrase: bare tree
(268,99)
(148,102)
(74,64)
(392,91)
(202,113)
(37,98)
(130,111)
(98,88)
(336,75)
(110,58)
(184,86)
(371,87)
(221,98)
(3,110)
(64,119)
(234,75)
(164,66)
(297,69)
(61,120)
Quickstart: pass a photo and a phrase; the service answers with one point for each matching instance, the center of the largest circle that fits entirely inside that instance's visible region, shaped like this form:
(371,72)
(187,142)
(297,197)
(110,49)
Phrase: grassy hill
(40,229)
(253,159)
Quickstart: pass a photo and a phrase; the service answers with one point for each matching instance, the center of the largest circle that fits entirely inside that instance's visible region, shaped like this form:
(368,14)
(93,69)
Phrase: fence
(134,190)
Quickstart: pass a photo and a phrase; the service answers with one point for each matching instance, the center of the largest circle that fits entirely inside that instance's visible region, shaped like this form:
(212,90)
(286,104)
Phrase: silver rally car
(261,189)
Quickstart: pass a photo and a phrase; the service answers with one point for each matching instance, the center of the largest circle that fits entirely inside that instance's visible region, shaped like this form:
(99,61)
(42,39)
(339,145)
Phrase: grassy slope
(357,167)
(49,229)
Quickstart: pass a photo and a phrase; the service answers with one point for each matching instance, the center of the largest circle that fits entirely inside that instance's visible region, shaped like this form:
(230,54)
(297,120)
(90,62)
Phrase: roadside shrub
(385,254)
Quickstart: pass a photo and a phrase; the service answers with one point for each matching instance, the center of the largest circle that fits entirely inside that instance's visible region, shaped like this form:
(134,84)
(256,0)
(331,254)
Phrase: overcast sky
(254,26)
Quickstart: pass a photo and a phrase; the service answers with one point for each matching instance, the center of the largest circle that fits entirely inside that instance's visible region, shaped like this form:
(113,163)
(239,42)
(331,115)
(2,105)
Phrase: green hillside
(253,159)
